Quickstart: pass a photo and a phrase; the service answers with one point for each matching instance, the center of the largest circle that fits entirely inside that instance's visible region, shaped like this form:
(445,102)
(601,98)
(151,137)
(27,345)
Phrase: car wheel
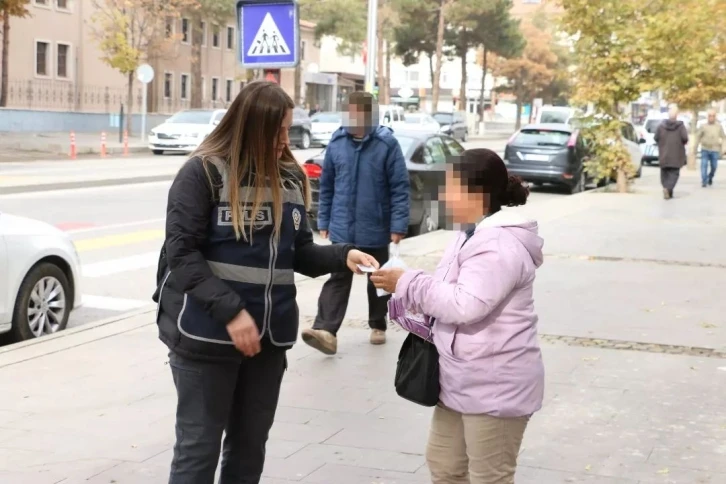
(43,304)
(158,152)
(305,142)
(579,186)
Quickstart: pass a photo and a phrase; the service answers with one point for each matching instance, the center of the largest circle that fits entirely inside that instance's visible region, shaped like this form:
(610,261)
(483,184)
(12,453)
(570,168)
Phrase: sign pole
(371,53)
(143,112)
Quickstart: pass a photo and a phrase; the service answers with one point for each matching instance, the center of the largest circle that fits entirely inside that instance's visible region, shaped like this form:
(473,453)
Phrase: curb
(46,187)
(71,338)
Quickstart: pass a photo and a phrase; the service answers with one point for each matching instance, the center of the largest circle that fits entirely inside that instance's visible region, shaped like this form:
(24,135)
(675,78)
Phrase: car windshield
(327,118)
(652,124)
(191,117)
(554,117)
(405,143)
(541,137)
(444,118)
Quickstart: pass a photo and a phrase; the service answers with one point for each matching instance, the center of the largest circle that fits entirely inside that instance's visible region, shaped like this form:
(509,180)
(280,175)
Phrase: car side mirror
(642,141)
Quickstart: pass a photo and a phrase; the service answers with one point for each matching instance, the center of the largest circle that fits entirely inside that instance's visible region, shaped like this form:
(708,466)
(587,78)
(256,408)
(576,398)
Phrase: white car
(323,125)
(647,135)
(40,273)
(184,132)
(420,122)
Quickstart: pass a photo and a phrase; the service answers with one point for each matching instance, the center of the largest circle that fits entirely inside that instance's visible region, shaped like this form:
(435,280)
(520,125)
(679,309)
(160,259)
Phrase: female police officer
(236,232)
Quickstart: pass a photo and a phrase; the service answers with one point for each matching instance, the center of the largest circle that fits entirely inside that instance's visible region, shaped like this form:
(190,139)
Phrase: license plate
(530,157)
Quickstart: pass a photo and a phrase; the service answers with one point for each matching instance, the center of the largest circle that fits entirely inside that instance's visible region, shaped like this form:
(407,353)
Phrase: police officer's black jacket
(207,276)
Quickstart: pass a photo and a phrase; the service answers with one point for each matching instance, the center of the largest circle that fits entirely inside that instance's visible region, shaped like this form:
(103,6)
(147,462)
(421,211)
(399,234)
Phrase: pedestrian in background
(480,297)
(712,139)
(236,231)
(315,110)
(672,138)
(364,200)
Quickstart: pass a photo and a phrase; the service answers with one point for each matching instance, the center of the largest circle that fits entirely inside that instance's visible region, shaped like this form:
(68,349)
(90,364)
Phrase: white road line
(113,303)
(115,226)
(35,195)
(124,264)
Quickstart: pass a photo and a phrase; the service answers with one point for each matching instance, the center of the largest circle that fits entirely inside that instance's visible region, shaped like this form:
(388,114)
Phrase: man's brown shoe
(378,337)
(321,340)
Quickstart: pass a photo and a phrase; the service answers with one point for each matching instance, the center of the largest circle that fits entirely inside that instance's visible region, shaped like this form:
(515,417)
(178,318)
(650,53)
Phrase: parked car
(39,276)
(184,132)
(425,155)
(453,124)
(420,122)
(557,114)
(391,116)
(301,129)
(323,125)
(646,135)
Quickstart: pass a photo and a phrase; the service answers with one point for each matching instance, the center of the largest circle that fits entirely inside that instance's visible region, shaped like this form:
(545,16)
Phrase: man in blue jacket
(364,200)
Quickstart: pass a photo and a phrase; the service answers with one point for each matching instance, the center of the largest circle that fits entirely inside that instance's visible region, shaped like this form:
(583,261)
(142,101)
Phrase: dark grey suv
(453,124)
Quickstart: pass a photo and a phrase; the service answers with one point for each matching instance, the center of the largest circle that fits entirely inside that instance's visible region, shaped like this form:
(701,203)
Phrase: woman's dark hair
(483,171)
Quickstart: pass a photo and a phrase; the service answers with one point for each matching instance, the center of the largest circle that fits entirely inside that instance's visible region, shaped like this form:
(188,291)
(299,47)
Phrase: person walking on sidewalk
(672,138)
(364,200)
(712,139)
(236,231)
(485,328)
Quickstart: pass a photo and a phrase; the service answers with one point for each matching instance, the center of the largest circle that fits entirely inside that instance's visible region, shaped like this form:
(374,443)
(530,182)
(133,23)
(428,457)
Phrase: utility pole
(371,45)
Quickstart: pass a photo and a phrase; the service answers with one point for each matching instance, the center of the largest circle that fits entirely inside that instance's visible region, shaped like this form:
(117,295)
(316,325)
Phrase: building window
(183,88)
(42,3)
(61,4)
(203,28)
(303,44)
(169,28)
(230,38)
(185,30)
(228,91)
(215,88)
(412,77)
(215,36)
(42,51)
(62,58)
(167,85)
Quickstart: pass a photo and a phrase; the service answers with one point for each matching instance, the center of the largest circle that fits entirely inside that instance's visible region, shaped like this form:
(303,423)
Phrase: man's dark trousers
(333,300)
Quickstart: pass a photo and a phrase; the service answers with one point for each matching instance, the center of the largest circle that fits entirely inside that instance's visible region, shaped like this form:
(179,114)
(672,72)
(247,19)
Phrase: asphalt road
(118,230)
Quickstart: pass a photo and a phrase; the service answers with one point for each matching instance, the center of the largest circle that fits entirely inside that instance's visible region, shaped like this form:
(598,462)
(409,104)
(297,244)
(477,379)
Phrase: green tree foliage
(528,74)
(612,68)
(8,8)
(345,19)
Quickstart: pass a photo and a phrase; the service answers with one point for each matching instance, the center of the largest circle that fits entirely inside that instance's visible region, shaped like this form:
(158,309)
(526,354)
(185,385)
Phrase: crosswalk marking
(124,264)
(113,303)
(85,245)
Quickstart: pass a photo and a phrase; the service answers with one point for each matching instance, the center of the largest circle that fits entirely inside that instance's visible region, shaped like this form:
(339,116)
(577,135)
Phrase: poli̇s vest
(260,269)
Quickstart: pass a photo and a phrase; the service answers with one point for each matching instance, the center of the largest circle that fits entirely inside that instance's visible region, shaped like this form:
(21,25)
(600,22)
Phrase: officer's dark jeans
(333,300)
(238,399)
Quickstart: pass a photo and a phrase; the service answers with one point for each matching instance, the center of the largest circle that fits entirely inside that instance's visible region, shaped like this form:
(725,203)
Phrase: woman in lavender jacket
(481,299)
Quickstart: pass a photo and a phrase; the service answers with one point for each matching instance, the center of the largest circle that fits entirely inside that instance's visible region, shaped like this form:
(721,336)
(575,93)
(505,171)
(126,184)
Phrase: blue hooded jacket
(364,189)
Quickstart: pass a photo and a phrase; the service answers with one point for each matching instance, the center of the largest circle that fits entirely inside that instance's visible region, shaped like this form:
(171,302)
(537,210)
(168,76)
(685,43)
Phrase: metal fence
(48,94)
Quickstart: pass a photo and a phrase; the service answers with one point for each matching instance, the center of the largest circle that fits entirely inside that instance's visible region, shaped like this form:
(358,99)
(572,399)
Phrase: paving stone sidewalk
(632,326)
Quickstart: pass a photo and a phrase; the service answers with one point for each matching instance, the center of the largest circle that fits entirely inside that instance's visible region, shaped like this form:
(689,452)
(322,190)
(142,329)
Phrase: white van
(391,115)
(558,114)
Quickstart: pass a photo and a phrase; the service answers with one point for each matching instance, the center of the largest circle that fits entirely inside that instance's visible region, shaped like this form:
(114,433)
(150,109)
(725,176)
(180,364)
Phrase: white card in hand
(366,268)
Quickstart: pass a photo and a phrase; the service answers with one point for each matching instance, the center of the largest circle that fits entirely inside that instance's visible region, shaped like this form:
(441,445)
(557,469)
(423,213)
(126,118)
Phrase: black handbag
(417,371)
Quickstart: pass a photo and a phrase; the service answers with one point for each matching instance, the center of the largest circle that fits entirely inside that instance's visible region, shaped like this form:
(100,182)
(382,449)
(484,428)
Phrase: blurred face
(464,207)
(711,118)
(284,136)
(357,118)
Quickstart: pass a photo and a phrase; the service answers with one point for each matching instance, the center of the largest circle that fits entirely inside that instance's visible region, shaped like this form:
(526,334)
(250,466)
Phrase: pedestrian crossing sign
(269,40)
(269,33)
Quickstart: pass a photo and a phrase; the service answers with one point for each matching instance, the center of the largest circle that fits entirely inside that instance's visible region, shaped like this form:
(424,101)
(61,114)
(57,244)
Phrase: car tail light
(312,170)
(573,140)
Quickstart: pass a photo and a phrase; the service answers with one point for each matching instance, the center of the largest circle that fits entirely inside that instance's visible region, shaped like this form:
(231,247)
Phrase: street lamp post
(371,45)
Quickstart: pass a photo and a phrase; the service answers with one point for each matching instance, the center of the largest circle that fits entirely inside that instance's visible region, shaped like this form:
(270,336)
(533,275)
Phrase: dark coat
(207,276)
(364,189)
(672,137)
